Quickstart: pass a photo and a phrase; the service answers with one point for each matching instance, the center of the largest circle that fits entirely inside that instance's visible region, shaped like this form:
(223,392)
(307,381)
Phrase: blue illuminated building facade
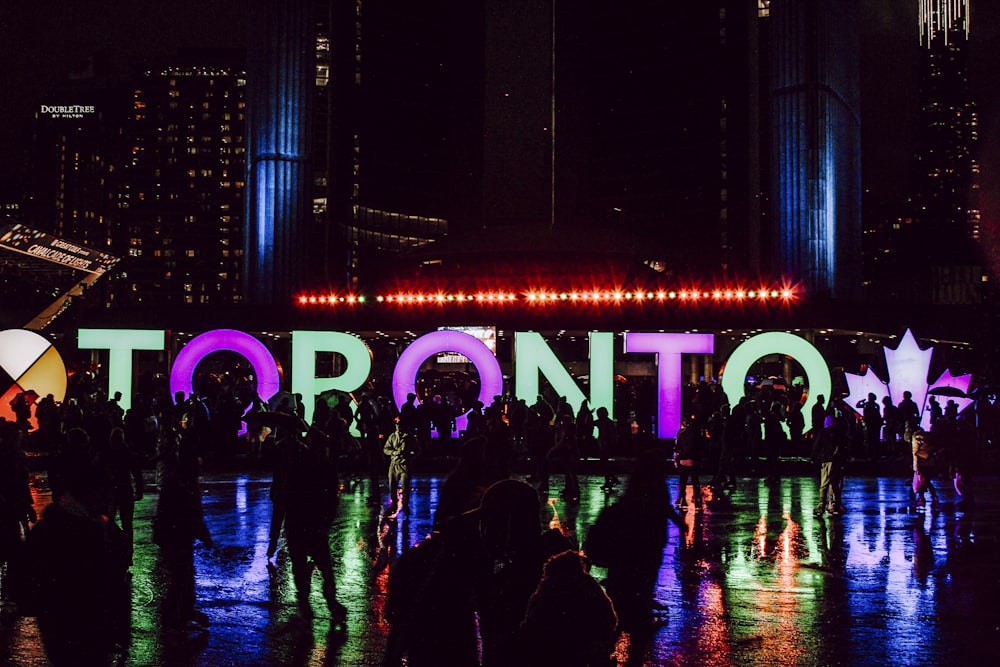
(816,144)
(281,70)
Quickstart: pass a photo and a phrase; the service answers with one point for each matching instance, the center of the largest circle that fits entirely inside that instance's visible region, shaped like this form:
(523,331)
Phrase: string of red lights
(539,297)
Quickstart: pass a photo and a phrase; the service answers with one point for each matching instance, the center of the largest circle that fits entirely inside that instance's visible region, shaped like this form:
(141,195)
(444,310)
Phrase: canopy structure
(40,274)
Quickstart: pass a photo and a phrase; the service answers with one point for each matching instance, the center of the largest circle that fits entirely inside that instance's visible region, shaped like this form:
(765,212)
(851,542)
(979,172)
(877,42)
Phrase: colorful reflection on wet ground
(753,578)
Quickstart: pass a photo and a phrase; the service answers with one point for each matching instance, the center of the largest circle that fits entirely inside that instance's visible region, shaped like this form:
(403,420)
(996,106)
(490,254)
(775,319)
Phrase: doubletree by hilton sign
(32,363)
(66,110)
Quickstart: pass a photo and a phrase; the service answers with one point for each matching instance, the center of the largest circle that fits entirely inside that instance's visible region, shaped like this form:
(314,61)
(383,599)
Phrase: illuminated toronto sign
(908,366)
(533,359)
(31,363)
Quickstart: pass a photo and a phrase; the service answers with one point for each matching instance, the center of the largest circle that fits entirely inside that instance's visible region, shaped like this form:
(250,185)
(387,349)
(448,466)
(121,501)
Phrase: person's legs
(274,532)
(319,551)
(179,597)
(682,482)
(824,487)
(835,485)
(394,478)
(301,573)
(696,485)
(404,493)
(572,490)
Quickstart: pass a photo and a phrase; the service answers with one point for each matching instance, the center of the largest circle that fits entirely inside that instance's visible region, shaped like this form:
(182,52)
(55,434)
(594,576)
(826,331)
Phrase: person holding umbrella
(21,405)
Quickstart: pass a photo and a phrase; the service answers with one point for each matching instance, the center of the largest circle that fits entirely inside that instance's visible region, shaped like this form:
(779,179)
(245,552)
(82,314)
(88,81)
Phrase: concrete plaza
(753,578)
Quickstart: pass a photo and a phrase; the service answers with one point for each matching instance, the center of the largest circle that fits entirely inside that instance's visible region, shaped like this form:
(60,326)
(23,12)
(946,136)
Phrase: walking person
(907,412)
(872,417)
(570,621)
(607,438)
(371,445)
(122,467)
(824,453)
(566,450)
(817,414)
(890,427)
(585,428)
(178,522)
(628,538)
(401,448)
(923,468)
(311,499)
(774,440)
(729,432)
(538,437)
(686,456)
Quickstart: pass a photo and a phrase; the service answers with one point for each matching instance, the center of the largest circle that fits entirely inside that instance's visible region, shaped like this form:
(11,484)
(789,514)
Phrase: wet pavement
(753,578)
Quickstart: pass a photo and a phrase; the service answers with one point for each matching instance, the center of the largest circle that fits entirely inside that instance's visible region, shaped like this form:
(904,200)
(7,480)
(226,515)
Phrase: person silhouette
(76,569)
(570,621)
(401,447)
(178,522)
(311,500)
(628,538)
(485,562)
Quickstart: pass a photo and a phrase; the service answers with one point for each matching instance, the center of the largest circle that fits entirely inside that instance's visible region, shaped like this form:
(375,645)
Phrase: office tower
(946,207)
(281,62)
(537,132)
(179,217)
(565,132)
(816,144)
(75,148)
(399,143)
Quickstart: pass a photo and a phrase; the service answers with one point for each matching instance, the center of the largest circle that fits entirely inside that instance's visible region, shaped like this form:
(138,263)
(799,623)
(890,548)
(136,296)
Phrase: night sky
(40,41)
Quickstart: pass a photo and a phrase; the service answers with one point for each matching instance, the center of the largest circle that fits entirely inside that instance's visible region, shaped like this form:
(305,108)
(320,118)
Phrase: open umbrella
(954,392)
(333,397)
(778,384)
(275,420)
(275,400)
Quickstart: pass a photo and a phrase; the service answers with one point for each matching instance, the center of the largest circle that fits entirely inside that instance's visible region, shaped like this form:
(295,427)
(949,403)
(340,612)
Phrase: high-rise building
(701,140)
(946,210)
(925,249)
(282,67)
(816,143)
(499,128)
(75,150)
(179,218)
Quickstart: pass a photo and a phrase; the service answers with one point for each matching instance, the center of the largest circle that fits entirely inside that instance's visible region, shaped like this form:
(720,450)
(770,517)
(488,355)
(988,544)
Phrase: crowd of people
(489,573)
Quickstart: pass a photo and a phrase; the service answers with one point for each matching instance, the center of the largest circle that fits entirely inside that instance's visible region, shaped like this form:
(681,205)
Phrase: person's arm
(391,447)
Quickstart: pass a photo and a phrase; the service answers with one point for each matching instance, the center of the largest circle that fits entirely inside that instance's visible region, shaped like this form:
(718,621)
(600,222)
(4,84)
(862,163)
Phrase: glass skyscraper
(816,144)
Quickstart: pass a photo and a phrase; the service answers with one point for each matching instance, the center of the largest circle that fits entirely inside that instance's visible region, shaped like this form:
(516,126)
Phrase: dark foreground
(754,578)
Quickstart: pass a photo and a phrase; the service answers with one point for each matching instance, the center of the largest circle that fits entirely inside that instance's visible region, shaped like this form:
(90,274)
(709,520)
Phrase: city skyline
(889,132)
